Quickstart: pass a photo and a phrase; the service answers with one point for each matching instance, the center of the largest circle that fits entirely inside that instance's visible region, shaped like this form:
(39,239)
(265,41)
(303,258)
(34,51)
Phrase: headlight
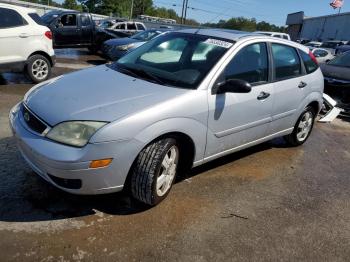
(74,133)
(125,47)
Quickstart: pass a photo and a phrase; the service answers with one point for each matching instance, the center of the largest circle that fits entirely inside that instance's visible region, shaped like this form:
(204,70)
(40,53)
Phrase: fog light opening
(100,163)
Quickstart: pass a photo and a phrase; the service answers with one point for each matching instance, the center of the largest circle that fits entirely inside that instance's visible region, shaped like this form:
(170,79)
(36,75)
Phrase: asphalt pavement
(267,203)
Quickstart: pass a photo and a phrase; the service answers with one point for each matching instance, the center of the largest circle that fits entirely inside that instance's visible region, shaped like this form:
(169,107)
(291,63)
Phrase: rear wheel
(302,128)
(38,68)
(154,171)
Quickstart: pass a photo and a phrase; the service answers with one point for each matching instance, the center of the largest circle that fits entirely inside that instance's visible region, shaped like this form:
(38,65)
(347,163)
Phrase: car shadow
(25,197)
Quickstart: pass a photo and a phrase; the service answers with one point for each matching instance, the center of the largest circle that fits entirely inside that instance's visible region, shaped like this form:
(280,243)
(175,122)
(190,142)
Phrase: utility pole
(182,12)
(186,7)
(131,8)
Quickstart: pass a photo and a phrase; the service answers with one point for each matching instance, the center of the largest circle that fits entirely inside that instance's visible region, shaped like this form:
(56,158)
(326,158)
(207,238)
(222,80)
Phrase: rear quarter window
(310,65)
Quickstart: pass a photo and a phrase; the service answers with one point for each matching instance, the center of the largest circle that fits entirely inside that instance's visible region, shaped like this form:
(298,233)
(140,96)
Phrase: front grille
(33,121)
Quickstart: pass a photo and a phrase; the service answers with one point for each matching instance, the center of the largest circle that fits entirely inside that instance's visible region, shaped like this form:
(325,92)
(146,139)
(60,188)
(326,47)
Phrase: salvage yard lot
(269,202)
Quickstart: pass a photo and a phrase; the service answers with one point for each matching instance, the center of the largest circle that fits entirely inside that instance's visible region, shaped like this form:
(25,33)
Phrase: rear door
(13,36)
(289,85)
(86,26)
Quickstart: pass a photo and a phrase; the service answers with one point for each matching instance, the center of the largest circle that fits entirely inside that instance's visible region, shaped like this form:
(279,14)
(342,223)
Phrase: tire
(38,68)
(302,128)
(151,180)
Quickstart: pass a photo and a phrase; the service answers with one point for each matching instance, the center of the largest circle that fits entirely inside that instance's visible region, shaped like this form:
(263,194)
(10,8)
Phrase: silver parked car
(180,100)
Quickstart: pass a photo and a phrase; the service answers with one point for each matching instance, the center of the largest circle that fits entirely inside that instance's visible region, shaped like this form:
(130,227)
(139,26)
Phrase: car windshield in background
(146,35)
(36,18)
(342,60)
(329,45)
(174,59)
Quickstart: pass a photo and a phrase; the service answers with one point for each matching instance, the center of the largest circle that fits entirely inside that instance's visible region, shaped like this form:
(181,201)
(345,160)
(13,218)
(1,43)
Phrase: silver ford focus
(178,101)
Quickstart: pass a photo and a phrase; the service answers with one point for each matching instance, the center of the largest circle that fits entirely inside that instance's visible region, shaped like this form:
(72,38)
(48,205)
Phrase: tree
(70,4)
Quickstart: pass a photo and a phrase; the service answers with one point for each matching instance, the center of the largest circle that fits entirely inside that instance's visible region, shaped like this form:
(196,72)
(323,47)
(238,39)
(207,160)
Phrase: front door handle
(302,84)
(23,35)
(263,96)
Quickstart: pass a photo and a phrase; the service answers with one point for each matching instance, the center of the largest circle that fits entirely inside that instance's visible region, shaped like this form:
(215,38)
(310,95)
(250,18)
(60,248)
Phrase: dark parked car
(75,29)
(337,77)
(343,48)
(116,48)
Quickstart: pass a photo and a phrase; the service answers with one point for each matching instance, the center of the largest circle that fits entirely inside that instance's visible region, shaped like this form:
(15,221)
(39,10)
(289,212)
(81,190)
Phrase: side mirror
(232,86)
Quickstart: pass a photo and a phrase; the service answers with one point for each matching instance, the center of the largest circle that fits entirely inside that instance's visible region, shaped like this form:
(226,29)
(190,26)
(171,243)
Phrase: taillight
(48,34)
(313,58)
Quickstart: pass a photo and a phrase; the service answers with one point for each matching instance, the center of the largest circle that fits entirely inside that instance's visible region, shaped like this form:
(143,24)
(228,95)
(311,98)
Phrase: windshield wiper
(145,74)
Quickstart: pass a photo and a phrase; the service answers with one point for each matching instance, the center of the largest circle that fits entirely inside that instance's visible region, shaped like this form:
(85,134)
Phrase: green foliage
(245,24)
(70,4)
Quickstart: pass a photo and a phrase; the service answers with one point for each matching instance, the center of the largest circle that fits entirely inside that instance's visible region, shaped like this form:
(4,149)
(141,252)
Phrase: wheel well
(43,54)
(187,153)
(315,106)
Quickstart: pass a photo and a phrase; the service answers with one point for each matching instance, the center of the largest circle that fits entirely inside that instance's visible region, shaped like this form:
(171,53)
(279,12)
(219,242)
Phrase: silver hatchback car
(178,101)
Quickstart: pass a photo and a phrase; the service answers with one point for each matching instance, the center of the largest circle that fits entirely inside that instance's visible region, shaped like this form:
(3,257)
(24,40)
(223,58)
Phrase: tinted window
(320,53)
(85,21)
(10,18)
(131,26)
(120,26)
(140,27)
(278,36)
(49,17)
(286,61)
(310,65)
(36,18)
(342,60)
(249,64)
(285,37)
(69,20)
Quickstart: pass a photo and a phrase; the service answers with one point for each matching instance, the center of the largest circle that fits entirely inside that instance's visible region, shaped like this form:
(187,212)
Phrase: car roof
(234,35)
(18,8)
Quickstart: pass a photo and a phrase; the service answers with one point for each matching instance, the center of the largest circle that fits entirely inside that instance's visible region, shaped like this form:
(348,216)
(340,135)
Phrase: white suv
(26,45)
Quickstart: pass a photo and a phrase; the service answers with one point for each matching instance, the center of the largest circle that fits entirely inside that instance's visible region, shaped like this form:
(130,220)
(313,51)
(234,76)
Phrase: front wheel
(38,68)
(302,128)
(154,171)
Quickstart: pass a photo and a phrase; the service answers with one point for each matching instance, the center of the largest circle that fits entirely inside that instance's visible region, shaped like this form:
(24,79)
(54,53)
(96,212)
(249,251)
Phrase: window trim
(302,67)
(25,22)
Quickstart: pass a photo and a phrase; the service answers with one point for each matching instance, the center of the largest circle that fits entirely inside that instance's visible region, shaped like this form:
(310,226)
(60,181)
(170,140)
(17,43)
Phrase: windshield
(312,44)
(342,60)
(49,17)
(174,59)
(36,18)
(145,35)
(329,44)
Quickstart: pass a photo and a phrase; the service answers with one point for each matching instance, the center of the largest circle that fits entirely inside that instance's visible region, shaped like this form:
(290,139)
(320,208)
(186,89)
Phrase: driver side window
(249,64)
(68,20)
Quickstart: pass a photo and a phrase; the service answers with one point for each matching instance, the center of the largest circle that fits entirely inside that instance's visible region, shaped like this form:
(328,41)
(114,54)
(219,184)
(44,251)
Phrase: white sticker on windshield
(217,42)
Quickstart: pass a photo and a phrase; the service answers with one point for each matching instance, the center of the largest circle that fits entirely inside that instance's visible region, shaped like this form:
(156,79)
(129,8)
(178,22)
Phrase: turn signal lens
(100,163)
(48,34)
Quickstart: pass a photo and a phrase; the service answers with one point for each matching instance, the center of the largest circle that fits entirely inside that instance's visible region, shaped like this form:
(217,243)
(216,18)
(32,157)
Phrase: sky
(272,11)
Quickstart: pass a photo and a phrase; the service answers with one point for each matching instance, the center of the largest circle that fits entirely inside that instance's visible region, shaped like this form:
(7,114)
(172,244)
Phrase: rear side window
(140,26)
(249,64)
(285,37)
(85,21)
(36,18)
(10,18)
(286,61)
(310,65)
(131,26)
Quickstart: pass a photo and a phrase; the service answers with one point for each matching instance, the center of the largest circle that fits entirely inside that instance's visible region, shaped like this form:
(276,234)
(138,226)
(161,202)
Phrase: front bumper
(67,167)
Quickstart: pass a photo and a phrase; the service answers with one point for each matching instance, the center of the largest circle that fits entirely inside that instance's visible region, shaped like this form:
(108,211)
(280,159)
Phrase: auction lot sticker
(217,42)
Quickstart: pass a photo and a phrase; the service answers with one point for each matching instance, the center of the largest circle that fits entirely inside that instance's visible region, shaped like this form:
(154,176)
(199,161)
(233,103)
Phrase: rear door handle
(23,35)
(302,84)
(263,96)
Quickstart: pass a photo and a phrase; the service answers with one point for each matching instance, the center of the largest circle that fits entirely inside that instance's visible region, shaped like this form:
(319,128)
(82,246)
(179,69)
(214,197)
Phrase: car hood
(336,72)
(121,41)
(97,93)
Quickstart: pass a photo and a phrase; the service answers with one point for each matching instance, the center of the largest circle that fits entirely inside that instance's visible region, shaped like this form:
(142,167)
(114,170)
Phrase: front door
(236,119)
(66,31)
